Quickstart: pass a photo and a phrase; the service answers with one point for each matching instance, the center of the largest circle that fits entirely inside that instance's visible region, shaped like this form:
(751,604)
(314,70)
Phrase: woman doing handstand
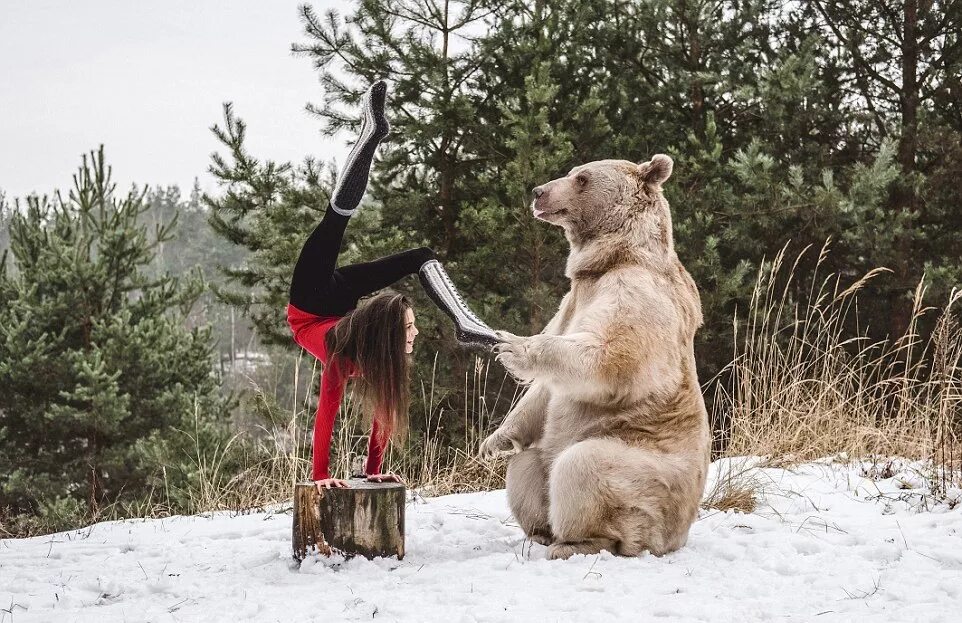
(370,342)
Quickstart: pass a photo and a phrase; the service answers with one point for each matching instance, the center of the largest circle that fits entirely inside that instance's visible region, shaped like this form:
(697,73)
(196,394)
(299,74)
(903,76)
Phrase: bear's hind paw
(562,550)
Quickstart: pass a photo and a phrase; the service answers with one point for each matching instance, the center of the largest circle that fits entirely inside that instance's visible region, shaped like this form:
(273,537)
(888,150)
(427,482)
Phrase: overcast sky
(147,79)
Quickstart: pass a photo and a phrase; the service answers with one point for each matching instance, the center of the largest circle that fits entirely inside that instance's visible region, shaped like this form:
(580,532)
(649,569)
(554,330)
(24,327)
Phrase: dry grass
(732,497)
(738,485)
(282,456)
(425,459)
(806,384)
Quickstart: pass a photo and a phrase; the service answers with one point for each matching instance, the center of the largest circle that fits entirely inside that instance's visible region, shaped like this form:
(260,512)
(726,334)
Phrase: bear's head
(609,196)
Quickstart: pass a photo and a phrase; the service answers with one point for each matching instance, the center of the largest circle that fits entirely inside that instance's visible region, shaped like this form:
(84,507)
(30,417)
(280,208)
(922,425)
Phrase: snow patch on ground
(827,543)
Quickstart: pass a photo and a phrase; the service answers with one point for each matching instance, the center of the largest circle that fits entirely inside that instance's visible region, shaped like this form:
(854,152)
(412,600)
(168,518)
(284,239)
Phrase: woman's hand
(328,483)
(384,478)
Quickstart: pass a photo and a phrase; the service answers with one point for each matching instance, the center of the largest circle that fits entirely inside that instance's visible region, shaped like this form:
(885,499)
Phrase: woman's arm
(375,458)
(332,390)
(375,451)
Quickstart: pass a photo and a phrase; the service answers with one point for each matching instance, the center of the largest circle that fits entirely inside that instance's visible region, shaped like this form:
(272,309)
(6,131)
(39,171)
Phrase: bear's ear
(657,170)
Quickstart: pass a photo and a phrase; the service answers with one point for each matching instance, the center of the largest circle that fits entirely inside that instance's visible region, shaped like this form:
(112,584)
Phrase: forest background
(145,362)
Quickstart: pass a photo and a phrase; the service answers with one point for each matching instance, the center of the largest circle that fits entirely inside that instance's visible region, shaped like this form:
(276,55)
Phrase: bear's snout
(540,201)
(539,206)
(544,205)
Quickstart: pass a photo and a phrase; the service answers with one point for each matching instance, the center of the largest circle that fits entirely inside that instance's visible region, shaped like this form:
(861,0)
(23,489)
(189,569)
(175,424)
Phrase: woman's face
(412,330)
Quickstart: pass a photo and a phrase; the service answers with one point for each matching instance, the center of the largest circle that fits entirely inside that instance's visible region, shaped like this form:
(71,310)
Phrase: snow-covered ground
(825,544)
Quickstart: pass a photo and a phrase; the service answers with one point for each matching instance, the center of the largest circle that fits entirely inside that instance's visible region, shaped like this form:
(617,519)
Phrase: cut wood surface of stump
(366,519)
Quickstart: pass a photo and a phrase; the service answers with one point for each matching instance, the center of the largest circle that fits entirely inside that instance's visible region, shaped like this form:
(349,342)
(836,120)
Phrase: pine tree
(898,53)
(5,216)
(421,49)
(196,249)
(543,123)
(97,367)
(539,152)
(268,209)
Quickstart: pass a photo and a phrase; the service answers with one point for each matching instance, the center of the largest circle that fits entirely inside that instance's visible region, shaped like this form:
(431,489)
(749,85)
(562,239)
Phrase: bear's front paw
(515,355)
(498,444)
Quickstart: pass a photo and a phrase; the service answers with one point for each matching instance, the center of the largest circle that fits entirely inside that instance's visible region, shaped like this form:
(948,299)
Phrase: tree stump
(367,519)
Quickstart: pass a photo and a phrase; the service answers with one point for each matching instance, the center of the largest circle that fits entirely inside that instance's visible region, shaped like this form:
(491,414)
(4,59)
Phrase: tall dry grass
(807,381)
(280,456)
(426,459)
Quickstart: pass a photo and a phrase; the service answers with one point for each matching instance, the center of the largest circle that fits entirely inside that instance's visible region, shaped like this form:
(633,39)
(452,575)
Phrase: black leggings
(319,288)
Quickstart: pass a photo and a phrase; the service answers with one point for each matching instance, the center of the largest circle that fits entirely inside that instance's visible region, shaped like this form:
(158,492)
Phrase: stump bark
(367,520)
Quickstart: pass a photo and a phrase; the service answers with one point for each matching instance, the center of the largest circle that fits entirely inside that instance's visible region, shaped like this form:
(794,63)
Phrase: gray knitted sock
(352,181)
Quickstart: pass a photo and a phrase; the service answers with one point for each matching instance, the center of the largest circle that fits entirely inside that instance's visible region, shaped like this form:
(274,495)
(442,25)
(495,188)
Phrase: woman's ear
(657,170)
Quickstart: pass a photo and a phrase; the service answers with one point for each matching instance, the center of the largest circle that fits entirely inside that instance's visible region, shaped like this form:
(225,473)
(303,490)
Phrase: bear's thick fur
(610,442)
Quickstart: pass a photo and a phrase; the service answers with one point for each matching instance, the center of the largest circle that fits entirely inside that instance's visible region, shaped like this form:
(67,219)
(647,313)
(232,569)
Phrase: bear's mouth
(543,215)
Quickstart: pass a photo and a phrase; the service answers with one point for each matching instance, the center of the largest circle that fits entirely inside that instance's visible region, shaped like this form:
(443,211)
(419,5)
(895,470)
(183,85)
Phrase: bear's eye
(582,179)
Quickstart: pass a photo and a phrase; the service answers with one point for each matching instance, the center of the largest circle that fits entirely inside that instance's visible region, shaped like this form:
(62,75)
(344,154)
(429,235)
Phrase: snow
(826,544)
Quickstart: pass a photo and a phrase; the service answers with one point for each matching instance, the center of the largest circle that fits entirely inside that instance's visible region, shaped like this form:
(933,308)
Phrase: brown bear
(610,443)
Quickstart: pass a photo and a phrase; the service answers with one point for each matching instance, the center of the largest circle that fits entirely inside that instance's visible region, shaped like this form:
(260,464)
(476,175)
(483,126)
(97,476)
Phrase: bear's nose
(538,191)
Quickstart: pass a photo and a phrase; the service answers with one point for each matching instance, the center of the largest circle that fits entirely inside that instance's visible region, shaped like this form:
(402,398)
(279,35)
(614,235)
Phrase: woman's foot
(469,329)
(352,180)
(373,106)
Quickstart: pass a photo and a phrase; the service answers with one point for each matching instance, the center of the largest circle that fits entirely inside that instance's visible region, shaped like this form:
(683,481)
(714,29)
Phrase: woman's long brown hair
(373,337)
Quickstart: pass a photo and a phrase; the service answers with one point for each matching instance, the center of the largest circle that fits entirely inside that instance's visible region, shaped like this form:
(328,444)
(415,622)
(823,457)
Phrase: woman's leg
(315,286)
(469,329)
(368,277)
(314,271)
(359,280)
(352,182)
